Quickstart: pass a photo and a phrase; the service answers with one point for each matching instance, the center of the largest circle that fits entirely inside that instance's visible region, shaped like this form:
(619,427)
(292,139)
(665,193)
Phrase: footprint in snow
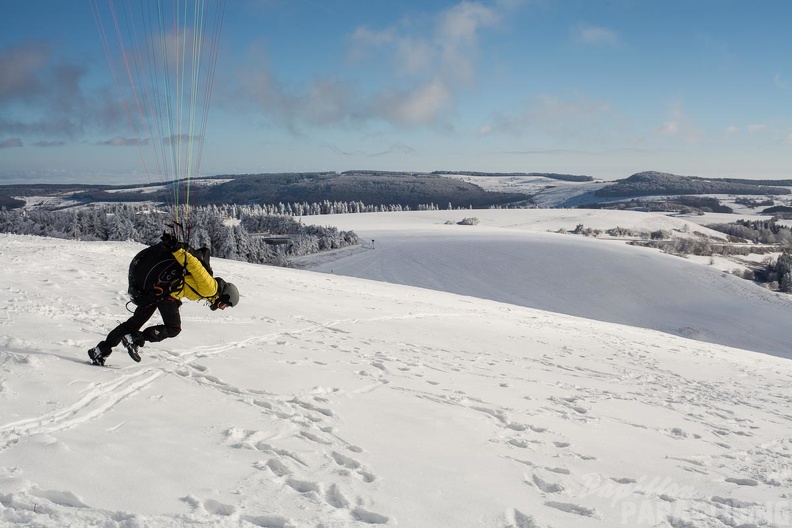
(304,486)
(369,517)
(349,464)
(743,481)
(517,519)
(209,506)
(266,521)
(335,498)
(61,498)
(573,508)
(315,438)
(546,486)
(311,407)
(278,467)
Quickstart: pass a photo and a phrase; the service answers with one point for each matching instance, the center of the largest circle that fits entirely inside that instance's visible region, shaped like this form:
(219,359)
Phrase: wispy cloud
(122,142)
(21,66)
(324,101)
(11,143)
(48,92)
(750,129)
(396,148)
(118,141)
(761,133)
(678,126)
(420,105)
(428,60)
(448,47)
(596,36)
(557,117)
(756,128)
(181,139)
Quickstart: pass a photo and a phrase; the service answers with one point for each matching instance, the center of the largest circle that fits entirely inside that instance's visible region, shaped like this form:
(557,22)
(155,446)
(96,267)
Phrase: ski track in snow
(547,406)
(99,399)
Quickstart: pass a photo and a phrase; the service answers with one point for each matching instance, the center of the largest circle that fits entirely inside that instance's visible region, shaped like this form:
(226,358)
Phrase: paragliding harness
(155,273)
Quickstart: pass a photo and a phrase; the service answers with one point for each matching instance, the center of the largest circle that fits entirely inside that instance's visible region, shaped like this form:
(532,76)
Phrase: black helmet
(227,293)
(230,295)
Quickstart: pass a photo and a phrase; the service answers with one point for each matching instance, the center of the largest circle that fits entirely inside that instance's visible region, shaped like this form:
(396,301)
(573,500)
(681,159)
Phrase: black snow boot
(98,355)
(131,342)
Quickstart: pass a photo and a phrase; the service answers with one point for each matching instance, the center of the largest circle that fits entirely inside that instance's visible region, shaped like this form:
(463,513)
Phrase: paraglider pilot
(161,276)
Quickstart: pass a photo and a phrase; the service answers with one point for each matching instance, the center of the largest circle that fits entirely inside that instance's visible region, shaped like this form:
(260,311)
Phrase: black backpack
(155,273)
(203,254)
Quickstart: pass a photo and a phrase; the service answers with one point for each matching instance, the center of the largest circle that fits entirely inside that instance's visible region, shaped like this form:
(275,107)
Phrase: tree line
(232,232)
(652,183)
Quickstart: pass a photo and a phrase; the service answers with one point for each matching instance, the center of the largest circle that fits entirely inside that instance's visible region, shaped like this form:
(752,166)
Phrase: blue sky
(605,88)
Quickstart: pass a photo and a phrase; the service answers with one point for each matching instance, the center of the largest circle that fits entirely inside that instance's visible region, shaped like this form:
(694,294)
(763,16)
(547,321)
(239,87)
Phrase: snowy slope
(328,401)
(517,256)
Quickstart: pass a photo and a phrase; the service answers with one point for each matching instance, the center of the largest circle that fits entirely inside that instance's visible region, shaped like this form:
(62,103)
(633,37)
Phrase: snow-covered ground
(518,257)
(331,401)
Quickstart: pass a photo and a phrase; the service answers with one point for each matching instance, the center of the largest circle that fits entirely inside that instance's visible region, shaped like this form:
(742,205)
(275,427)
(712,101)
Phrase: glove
(220,285)
(170,242)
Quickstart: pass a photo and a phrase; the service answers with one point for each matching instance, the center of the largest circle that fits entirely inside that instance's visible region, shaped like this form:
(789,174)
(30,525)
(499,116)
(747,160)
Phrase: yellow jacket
(198,284)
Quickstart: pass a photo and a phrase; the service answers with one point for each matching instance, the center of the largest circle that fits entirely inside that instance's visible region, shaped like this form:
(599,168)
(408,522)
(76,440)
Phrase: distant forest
(658,183)
(234,232)
(384,190)
(682,204)
(551,175)
(408,190)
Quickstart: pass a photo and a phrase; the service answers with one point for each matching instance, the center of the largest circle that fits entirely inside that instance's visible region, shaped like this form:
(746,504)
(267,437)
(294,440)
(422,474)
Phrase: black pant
(171,327)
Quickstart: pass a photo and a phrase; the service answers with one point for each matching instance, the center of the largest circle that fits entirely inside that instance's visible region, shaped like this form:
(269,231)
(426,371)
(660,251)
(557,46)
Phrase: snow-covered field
(518,257)
(325,401)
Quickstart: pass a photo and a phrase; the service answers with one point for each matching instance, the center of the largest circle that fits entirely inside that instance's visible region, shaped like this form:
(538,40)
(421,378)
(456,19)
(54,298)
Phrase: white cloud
(557,117)
(458,36)
(415,56)
(123,142)
(752,129)
(422,105)
(598,36)
(668,128)
(363,41)
(429,59)
(21,67)
(11,143)
(400,149)
(756,128)
(460,24)
(448,47)
(511,4)
(678,125)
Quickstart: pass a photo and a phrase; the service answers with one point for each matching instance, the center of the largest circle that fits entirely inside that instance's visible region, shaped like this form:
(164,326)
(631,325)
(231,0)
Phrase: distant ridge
(406,189)
(553,175)
(653,183)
